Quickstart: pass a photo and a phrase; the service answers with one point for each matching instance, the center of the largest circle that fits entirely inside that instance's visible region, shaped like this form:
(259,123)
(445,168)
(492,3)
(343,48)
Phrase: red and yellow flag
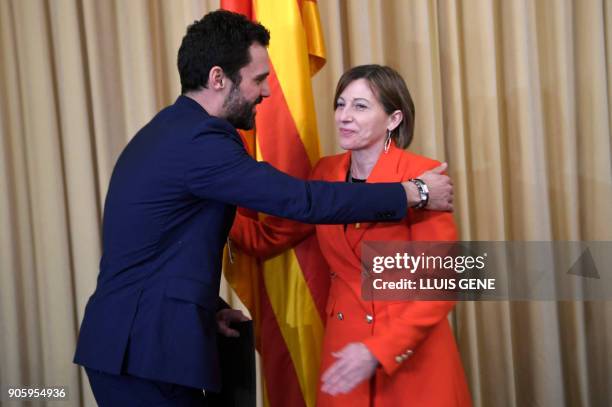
(286,295)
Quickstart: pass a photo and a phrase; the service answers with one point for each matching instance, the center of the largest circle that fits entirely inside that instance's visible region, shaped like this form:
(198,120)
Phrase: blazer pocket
(192,291)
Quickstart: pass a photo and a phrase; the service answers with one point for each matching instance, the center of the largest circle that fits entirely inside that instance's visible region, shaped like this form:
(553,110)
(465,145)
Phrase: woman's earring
(388,141)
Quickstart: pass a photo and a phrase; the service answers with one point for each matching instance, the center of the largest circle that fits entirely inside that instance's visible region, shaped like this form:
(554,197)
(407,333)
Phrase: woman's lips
(346,132)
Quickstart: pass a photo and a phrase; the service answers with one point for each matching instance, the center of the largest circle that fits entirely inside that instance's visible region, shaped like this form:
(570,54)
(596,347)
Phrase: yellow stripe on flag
(298,319)
(314,35)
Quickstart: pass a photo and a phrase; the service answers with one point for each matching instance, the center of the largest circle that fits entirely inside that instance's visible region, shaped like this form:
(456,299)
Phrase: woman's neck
(363,161)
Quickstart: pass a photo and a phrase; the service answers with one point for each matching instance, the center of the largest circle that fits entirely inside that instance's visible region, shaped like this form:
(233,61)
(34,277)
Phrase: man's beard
(239,111)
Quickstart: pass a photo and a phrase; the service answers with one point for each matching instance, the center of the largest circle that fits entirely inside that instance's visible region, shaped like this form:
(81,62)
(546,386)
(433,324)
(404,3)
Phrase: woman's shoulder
(327,165)
(412,165)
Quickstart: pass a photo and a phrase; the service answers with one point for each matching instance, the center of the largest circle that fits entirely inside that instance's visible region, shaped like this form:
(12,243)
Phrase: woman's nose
(345,114)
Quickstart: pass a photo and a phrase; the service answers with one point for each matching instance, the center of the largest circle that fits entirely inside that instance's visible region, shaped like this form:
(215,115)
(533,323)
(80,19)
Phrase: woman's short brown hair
(391,91)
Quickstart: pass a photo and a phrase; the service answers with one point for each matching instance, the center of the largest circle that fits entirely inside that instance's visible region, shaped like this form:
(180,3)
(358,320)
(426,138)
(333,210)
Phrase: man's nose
(265,89)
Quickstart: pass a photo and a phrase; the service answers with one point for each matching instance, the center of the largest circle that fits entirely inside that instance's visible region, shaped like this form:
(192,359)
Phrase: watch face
(423,192)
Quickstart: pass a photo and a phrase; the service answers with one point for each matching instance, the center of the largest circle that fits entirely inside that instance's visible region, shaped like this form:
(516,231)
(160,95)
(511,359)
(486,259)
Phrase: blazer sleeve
(413,320)
(219,168)
(271,236)
(268,237)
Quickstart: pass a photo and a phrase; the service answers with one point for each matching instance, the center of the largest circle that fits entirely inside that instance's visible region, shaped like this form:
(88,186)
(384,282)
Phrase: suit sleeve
(219,168)
(271,236)
(413,320)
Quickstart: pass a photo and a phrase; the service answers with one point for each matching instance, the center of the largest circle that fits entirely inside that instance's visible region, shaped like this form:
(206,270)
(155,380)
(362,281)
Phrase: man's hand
(225,317)
(440,189)
(354,365)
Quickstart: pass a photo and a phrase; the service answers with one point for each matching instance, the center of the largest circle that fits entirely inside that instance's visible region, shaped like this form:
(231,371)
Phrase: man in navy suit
(148,337)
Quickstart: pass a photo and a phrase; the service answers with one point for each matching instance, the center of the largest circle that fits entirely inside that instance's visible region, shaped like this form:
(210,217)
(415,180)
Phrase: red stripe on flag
(279,371)
(281,144)
(315,271)
(239,6)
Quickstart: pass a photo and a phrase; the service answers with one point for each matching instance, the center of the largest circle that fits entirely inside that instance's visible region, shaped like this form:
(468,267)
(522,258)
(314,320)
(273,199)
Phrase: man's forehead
(259,60)
(258,50)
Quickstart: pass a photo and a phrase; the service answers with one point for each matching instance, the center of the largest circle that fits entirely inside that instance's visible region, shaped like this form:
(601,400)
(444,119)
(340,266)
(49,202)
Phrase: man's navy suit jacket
(169,208)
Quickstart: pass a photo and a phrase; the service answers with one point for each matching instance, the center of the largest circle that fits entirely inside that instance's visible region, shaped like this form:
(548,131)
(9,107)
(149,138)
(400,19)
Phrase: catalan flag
(286,295)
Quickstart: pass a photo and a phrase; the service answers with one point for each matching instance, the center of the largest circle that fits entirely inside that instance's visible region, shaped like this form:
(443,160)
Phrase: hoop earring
(388,141)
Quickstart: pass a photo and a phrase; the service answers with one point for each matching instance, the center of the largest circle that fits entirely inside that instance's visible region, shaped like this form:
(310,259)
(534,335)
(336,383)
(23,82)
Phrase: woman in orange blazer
(375,353)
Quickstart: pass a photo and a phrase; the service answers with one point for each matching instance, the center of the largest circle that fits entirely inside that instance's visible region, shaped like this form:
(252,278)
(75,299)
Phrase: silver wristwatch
(423,192)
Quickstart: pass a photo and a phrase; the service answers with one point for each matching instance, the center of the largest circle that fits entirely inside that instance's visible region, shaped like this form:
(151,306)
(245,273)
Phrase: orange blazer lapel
(339,253)
(387,169)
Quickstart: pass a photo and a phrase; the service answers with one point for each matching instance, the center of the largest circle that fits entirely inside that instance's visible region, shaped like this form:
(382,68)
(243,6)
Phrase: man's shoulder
(179,120)
(215,125)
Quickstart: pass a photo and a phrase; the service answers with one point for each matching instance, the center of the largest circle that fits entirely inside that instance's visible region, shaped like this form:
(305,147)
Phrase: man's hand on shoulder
(439,186)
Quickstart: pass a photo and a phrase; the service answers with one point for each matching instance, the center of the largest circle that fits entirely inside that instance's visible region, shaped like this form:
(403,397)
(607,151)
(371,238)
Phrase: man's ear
(216,78)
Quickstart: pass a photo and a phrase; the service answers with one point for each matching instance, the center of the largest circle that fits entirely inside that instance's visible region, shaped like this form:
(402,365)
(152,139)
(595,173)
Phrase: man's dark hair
(221,38)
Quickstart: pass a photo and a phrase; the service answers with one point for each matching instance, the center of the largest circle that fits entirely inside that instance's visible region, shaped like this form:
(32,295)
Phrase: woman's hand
(354,365)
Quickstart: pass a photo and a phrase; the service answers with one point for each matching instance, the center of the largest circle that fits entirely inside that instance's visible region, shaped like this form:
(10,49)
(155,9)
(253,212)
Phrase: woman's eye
(360,106)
